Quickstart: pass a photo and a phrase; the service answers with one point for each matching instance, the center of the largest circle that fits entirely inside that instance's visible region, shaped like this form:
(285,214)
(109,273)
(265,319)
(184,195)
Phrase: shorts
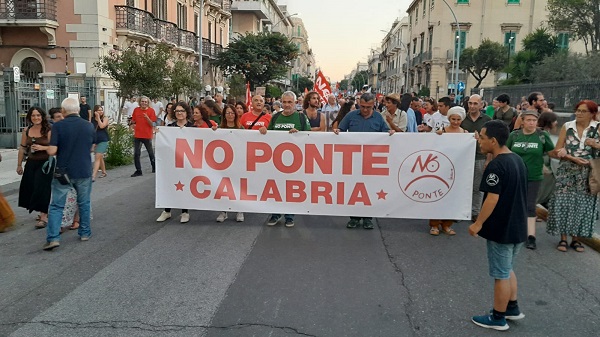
(101,147)
(533,188)
(501,258)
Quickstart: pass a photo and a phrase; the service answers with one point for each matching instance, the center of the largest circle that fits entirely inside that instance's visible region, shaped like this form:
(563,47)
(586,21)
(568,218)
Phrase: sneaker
(84,238)
(136,174)
(185,217)
(513,314)
(153,169)
(51,245)
(352,223)
(164,216)
(367,224)
(273,220)
(239,217)
(222,216)
(530,242)
(289,223)
(489,322)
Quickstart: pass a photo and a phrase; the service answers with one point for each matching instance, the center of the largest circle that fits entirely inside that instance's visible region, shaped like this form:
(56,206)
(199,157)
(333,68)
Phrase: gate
(46,93)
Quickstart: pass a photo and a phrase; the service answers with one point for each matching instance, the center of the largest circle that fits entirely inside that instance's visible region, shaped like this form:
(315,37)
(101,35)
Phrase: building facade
(394,55)
(304,65)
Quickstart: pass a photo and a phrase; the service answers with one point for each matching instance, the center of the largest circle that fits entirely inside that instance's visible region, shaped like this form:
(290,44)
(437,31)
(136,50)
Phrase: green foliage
(424,92)
(489,56)
(237,86)
(273,91)
(567,67)
(541,42)
(303,83)
(258,57)
(521,65)
(120,147)
(184,79)
(581,18)
(344,84)
(361,78)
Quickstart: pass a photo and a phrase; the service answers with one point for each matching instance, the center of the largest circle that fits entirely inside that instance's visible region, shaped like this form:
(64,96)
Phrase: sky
(342,33)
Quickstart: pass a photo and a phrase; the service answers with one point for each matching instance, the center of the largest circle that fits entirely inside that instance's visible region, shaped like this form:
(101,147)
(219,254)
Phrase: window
(432,4)
(430,40)
(414,46)
(462,2)
(417,15)
(514,2)
(562,41)
(181,16)
(424,7)
(196,23)
(422,42)
(221,37)
(159,9)
(510,41)
(209,31)
(459,44)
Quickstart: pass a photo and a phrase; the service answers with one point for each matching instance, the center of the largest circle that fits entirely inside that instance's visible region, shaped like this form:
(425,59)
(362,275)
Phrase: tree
(360,79)
(303,83)
(520,67)
(237,86)
(273,91)
(135,70)
(344,84)
(541,42)
(489,56)
(184,79)
(536,46)
(258,57)
(579,68)
(581,18)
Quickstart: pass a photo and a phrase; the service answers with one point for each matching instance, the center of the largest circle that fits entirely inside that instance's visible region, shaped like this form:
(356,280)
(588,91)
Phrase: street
(137,277)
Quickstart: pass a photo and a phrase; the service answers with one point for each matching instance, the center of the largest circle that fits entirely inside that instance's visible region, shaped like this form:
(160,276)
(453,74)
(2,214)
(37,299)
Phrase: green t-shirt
(216,118)
(531,149)
(286,123)
(489,110)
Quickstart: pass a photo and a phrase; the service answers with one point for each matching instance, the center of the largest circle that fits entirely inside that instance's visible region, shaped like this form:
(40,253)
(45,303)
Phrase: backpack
(300,115)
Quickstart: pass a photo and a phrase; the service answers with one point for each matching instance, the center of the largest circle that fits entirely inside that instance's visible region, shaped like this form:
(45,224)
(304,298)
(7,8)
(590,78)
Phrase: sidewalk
(9,179)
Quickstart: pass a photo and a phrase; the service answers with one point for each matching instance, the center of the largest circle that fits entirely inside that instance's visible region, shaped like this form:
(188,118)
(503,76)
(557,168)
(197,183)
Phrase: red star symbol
(381,195)
(179,186)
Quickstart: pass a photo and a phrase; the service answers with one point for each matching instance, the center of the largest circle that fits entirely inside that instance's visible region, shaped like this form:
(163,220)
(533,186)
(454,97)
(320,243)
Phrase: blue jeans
(83,186)
(501,258)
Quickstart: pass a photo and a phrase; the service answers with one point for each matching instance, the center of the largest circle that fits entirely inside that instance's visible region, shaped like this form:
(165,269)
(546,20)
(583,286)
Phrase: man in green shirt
(287,120)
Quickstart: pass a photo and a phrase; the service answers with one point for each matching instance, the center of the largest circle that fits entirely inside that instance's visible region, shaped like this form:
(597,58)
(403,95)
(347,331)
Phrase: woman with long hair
(572,209)
(241,108)
(347,107)
(182,112)
(201,119)
(100,122)
(214,110)
(34,191)
(168,117)
(229,118)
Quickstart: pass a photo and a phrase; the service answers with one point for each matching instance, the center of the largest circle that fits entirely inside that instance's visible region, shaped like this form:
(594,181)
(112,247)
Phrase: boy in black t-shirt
(502,222)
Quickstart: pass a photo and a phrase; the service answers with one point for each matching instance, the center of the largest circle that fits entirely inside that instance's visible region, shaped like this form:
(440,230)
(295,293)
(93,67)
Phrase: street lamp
(280,21)
(510,39)
(456,48)
(200,19)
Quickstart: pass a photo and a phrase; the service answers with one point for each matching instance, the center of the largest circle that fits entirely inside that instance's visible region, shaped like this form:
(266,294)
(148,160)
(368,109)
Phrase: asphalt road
(136,277)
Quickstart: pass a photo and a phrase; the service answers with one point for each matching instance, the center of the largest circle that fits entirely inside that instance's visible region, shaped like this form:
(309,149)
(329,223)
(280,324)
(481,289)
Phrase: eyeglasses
(581,111)
(230,113)
(180,111)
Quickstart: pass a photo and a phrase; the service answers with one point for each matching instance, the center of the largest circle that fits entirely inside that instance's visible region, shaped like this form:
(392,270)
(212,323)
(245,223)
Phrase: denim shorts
(501,258)
(101,147)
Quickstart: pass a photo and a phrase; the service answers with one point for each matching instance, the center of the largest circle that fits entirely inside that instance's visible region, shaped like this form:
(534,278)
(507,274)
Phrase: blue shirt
(74,137)
(411,126)
(355,122)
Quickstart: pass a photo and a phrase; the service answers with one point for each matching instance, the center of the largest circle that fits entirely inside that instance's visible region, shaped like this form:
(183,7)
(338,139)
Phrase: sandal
(448,231)
(434,231)
(562,246)
(103,174)
(74,226)
(577,246)
(41,224)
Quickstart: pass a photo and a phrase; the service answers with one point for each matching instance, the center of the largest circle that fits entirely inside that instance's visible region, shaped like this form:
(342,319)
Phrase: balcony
(210,49)
(136,22)
(427,56)
(30,13)
(256,7)
(224,5)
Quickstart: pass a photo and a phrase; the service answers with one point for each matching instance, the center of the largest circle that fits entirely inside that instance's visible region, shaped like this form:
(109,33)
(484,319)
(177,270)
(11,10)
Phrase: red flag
(248,97)
(305,91)
(322,87)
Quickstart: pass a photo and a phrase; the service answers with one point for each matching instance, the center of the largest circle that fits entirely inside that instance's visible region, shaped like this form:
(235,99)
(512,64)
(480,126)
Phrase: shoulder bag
(594,178)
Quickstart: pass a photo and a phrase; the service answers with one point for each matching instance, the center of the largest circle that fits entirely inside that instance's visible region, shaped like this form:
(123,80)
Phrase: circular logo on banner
(426,176)
(492,179)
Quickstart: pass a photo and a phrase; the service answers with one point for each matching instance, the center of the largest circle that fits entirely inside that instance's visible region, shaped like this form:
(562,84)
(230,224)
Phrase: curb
(593,242)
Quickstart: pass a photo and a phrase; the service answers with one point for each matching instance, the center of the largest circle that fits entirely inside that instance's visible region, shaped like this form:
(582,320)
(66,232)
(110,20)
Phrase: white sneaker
(164,216)
(239,217)
(185,217)
(222,216)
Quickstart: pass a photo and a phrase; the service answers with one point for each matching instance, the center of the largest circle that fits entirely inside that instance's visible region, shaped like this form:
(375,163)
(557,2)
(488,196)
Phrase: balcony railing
(223,4)
(210,49)
(143,22)
(28,10)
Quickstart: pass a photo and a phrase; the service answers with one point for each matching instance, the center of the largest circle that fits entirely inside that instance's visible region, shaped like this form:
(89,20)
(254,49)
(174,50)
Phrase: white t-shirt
(130,106)
(158,107)
(437,121)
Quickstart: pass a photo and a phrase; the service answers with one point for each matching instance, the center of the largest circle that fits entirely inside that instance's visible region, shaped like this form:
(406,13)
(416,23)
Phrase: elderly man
(395,118)
(363,120)
(142,121)
(330,110)
(474,123)
(255,119)
(292,121)
(71,142)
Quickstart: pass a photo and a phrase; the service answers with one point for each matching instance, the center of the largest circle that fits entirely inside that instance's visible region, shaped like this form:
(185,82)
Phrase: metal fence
(46,93)
(563,94)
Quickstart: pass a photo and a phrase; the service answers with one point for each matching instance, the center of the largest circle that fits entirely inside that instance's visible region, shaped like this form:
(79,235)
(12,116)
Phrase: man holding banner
(292,121)
(255,118)
(363,120)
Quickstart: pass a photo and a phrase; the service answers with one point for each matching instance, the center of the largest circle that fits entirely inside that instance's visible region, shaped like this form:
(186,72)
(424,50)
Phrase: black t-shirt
(506,176)
(84,111)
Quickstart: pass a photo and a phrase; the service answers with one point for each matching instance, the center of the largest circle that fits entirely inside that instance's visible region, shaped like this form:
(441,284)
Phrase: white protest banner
(419,176)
